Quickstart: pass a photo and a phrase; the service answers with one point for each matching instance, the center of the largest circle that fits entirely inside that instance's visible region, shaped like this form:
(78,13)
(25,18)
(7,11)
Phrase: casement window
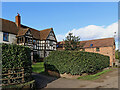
(26,40)
(91,45)
(21,39)
(29,40)
(53,48)
(51,43)
(18,40)
(5,36)
(97,49)
(34,42)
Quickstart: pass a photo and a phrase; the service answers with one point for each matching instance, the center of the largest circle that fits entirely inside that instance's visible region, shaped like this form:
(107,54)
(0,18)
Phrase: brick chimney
(18,20)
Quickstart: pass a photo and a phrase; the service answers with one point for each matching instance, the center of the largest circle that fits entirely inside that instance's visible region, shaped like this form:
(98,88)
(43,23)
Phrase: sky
(89,20)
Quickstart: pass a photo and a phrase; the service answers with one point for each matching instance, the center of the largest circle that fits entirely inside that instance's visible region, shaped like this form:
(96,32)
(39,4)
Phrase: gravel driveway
(108,80)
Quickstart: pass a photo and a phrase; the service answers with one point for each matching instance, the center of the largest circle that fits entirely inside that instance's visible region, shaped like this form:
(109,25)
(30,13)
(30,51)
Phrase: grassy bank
(95,76)
(38,67)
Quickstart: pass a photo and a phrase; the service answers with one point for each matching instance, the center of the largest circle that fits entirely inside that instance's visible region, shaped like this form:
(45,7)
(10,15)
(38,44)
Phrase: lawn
(38,67)
(95,76)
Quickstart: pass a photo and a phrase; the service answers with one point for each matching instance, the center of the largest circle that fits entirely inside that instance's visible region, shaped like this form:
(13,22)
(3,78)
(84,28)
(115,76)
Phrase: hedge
(16,56)
(117,55)
(75,62)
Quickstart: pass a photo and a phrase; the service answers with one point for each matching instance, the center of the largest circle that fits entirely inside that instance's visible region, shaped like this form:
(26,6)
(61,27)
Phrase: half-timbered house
(41,42)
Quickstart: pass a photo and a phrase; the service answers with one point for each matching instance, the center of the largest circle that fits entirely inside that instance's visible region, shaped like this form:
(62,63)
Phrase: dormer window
(91,45)
(5,36)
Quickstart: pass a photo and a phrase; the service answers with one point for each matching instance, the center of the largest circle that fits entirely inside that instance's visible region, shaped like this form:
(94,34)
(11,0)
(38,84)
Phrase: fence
(12,76)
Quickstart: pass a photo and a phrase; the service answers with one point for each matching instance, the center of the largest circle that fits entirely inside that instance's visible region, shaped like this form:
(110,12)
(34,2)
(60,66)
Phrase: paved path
(108,80)
(42,80)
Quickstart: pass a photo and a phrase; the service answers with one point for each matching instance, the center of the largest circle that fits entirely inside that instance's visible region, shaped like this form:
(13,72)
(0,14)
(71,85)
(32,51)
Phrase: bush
(16,56)
(75,62)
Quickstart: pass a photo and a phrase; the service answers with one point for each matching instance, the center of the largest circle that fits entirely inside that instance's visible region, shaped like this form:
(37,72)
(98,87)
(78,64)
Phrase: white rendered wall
(12,38)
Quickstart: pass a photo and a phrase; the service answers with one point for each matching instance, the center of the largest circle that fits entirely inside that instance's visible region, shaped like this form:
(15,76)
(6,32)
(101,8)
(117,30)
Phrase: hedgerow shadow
(42,79)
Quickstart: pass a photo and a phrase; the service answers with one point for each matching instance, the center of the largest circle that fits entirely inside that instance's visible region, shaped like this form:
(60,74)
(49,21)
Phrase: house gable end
(51,36)
(28,33)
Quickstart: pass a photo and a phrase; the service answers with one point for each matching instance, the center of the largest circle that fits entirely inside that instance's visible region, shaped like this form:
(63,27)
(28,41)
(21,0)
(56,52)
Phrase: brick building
(104,46)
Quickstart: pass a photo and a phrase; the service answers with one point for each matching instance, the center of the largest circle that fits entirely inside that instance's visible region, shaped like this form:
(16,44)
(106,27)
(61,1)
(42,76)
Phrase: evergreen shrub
(75,62)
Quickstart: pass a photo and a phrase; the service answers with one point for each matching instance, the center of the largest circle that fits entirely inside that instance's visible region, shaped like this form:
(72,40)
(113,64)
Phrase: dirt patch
(107,80)
(107,75)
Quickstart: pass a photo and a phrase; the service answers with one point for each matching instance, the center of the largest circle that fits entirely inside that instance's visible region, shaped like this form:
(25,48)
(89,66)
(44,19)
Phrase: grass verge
(38,67)
(95,76)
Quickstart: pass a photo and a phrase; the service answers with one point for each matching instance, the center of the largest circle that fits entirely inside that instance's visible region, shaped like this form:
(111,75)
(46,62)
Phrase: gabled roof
(41,35)
(8,26)
(105,42)
(11,27)
(22,31)
(35,33)
(44,33)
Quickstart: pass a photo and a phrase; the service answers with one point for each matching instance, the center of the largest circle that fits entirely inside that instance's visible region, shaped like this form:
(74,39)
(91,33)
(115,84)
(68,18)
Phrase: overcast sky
(89,20)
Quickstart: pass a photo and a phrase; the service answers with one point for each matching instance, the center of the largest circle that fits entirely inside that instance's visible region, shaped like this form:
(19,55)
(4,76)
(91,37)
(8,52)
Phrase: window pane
(5,36)
(97,49)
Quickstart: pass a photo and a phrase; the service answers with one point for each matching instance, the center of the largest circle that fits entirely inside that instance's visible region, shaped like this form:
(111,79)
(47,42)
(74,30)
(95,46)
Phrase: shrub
(16,56)
(75,62)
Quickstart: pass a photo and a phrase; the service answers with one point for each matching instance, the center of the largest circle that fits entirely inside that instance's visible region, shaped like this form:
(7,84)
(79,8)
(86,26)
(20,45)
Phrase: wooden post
(8,76)
(32,56)
(45,49)
(24,40)
(22,75)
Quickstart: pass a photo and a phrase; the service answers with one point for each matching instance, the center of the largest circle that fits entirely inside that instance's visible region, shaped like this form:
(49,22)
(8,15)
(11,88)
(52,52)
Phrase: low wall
(52,73)
(55,74)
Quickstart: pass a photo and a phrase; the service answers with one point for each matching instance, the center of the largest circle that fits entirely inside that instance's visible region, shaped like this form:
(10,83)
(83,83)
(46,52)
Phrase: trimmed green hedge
(16,56)
(117,55)
(75,62)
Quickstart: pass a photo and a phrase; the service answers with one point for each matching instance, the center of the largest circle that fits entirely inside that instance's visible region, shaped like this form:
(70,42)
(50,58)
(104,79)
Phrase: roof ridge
(100,39)
(29,27)
(7,20)
(94,39)
(34,29)
(46,29)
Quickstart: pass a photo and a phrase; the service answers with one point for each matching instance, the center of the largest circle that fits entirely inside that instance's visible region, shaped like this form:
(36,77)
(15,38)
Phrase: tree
(72,42)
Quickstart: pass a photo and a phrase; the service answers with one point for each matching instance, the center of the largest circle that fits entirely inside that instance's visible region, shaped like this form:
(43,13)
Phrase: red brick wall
(109,51)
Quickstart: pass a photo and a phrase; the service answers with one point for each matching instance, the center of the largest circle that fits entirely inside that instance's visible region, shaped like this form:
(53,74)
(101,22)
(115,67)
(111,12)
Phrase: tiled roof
(61,42)
(11,27)
(44,33)
(95,43)
(22,31)
(8,26)
(98,42)
(35,33)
